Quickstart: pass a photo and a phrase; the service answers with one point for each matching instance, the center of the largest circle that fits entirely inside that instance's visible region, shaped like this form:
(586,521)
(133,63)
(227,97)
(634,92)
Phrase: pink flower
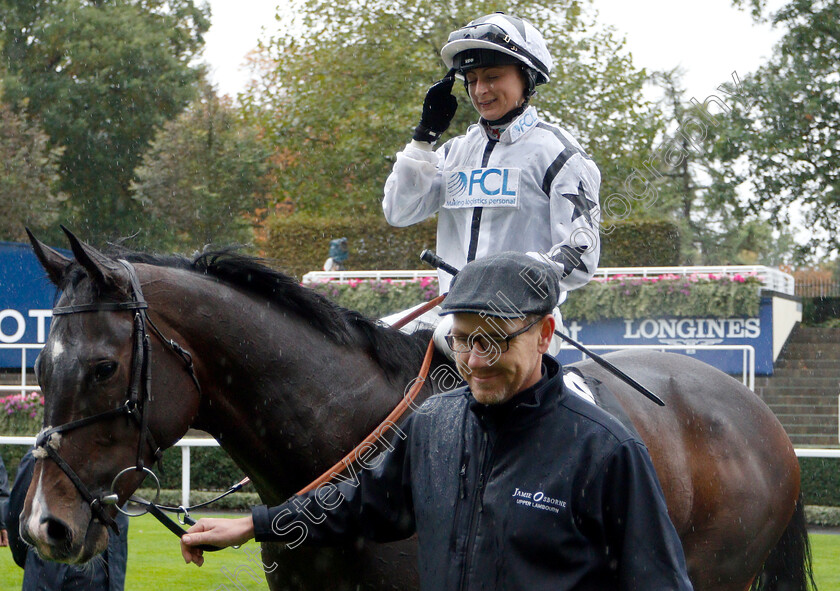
(739,278)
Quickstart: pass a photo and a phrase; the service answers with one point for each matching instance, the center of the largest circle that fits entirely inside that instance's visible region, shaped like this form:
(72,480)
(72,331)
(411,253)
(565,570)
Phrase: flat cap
(505,285)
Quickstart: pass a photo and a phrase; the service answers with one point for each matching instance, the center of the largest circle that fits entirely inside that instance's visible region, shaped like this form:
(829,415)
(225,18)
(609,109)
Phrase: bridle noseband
(138,395)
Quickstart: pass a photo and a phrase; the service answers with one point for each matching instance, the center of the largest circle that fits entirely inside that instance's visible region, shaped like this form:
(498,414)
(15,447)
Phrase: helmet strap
(507,117)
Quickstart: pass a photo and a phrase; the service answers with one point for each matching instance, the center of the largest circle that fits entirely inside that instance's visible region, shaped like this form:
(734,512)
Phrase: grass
(825,551)
(155,564)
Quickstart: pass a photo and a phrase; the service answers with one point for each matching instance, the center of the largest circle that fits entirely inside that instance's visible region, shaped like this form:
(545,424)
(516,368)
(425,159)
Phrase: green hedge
(823,311)
(641,244)
(820,481)
(300,243)
(211,469)
(241,500)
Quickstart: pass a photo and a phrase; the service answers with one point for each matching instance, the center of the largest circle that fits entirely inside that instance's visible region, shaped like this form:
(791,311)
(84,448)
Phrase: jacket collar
(516,128)
(527,405)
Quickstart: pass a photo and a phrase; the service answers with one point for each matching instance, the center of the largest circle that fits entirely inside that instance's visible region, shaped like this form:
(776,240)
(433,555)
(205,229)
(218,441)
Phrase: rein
(401,407)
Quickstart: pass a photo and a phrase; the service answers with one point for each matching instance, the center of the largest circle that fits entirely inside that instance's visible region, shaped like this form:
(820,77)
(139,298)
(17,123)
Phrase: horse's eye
(104,370)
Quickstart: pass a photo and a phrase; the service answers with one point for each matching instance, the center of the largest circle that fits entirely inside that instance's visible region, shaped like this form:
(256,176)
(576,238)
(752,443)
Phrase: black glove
(438,110)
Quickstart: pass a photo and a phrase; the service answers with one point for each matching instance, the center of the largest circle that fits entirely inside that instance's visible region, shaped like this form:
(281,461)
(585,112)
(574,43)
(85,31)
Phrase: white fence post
(185,476)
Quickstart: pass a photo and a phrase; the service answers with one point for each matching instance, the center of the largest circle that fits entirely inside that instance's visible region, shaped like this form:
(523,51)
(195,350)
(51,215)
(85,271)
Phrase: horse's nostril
(58,532)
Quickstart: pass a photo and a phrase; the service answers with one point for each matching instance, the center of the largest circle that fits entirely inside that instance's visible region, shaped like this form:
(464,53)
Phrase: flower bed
(618,296)
(627,297)
(377,298)
(21,414)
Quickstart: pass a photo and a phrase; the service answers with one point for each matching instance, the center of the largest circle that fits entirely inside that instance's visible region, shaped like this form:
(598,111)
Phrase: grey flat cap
(505,285)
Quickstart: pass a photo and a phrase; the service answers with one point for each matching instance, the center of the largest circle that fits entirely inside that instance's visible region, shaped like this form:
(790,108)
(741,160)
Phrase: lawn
(155,564)
(825,551)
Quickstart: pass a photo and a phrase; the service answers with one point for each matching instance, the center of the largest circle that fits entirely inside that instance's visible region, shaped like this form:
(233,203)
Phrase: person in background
(514,181)
(338,254)
(107,574)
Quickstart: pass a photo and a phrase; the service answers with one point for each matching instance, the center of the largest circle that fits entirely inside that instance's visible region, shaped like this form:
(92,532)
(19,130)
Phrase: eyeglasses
(485,343)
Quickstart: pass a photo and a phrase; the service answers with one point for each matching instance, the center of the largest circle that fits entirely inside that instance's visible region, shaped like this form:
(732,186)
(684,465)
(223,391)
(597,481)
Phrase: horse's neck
(282,398)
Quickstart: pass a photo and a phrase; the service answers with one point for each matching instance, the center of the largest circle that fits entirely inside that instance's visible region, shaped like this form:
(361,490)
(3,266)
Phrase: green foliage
(238,501)
(687,180)
(205,173)
(210,469)
(379,298)
(28,177)
(786,127)
(821,311)
(641,244)
(820,481)
(102,77)
(21,414)
(341,87)
(300,243)
(690,296)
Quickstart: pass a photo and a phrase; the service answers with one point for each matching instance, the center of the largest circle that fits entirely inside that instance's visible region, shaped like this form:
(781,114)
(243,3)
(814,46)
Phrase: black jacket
(107,574)
(544,492)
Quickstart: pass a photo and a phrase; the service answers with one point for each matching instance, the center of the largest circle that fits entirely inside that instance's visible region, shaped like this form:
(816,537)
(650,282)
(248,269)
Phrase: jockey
(513,181)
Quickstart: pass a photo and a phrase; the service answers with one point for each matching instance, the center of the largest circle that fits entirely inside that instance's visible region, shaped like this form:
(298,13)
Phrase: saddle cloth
(593,391)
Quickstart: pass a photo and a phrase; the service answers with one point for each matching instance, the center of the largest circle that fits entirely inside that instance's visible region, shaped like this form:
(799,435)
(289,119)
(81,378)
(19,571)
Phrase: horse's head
(100,418)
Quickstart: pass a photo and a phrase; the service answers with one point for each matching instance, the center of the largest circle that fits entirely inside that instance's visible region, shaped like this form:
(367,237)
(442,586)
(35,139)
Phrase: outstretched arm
(215,532)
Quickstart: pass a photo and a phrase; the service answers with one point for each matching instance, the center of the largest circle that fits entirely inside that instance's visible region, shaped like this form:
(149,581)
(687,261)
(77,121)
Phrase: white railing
(813,452)
(185,444)
(344,276)
(772,279)
(23,388)
(747,365)
(188,442)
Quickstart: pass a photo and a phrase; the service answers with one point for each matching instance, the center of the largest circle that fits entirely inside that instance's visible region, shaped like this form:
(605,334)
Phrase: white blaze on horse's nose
(57,350)
(36,524)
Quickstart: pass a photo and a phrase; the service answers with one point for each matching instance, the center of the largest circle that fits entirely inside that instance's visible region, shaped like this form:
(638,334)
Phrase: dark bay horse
(287,382)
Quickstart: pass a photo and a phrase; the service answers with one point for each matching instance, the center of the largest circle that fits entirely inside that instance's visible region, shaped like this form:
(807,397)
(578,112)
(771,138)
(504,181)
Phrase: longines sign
(685,333)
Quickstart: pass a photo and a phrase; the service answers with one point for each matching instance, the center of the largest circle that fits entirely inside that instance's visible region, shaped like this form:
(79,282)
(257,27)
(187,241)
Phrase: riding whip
(433,259)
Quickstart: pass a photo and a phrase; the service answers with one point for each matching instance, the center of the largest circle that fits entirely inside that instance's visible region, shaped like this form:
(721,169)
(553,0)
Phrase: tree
(787,132)
(346,82)
(29,177)
(205,172)
(689,184)
(102,76)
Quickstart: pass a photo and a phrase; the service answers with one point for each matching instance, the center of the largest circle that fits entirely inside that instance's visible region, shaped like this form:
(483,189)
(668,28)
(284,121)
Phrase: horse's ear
(100,268)
(54,263)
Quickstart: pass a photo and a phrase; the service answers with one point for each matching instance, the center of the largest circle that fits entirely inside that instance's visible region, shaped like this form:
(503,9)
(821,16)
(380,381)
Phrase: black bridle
(138,395)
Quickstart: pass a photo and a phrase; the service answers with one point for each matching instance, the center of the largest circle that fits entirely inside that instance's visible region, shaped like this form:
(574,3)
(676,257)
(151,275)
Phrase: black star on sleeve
(582,203)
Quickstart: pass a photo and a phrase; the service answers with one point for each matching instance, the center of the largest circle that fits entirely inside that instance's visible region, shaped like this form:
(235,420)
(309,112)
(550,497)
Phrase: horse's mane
(390,348)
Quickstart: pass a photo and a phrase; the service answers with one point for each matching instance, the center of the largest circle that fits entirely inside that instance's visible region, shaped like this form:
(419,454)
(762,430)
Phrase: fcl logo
(484,187)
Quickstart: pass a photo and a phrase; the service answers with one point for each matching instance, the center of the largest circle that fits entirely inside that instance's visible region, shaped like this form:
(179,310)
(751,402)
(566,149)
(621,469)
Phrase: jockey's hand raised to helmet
(438,110)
